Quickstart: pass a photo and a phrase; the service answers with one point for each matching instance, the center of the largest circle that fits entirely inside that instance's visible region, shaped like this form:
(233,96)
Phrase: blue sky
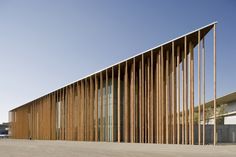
(47,44)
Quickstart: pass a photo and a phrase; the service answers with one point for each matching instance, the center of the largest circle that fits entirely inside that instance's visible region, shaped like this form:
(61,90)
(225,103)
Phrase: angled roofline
(229,97)
(143,52)
(223,99)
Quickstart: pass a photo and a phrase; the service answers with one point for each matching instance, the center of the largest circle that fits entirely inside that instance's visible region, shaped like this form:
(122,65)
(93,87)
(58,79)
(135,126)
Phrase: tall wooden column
(214,68)
(192,91)
(107,107)
(126,104)
(162,98)
(199,89)
(203,81)
(178,95)
(96,108)
(173,95)
(140,101)
(118,105)
(151,100)
(113,106)
(101,114)
(167,97)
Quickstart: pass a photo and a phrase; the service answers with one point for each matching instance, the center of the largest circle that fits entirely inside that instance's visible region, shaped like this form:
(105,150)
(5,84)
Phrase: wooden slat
(178,95)
(186,90)
(183,98)
(78,111)
(142,106)
(135,112)
(92,109)
(96,108)
(107,105)
(157,97)
(151,100)
(101,117)
(73,113)
(203,81)
(113,106)
(62,116)
(192,91)
(146,120)
(118,106)
(162,98)
(214,81)
(148,102)
(126,104)
(173,94)
(82,110)
(140,101)
(86,110)
(132,102)
(167,97)
(57,134)
(199,89)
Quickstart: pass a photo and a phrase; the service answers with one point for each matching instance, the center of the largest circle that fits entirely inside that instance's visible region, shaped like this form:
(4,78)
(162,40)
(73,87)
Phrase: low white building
(227,104)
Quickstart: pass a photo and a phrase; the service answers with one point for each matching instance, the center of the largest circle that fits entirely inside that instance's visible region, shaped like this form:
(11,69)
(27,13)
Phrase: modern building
(148,98)
(226,110)
(225,119)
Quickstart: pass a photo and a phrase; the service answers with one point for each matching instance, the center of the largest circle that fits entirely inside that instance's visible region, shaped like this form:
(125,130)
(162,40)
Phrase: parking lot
(36,148)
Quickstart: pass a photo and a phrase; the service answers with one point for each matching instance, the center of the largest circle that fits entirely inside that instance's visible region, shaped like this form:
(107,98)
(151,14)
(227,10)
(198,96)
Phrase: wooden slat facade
(148,98)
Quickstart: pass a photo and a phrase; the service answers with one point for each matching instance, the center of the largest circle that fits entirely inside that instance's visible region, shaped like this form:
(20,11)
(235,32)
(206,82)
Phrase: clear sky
(47,44)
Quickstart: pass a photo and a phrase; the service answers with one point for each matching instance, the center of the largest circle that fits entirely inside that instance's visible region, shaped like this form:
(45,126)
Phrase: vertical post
(185,90)
(79,110)
(92,107)
(183,99)
(162,96)
(160,99)
(178,95)
(101,114)
(118,103)
(173,95)
(192,91)
(131,104)
(203,73)
(199,89)
(96,108)
(142,115)
(134,103)
(126,102)
(214,55)
(148,101)
(84,110)
(140,101)
(157,97)
(167,97)
(151,100)
(113,106)
(107,108)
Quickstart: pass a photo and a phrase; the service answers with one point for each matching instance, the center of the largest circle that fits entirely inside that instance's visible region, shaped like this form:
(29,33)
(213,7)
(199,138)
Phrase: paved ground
(26,148)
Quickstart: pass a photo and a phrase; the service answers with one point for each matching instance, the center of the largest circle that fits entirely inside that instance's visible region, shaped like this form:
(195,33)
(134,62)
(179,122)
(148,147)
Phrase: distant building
(225,119)
(4,128)
(226,107)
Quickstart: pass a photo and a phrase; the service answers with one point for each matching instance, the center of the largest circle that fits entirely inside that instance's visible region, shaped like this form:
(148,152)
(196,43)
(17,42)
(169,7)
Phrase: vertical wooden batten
(199,89)
(118,108)
(203,81)
(214,80)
